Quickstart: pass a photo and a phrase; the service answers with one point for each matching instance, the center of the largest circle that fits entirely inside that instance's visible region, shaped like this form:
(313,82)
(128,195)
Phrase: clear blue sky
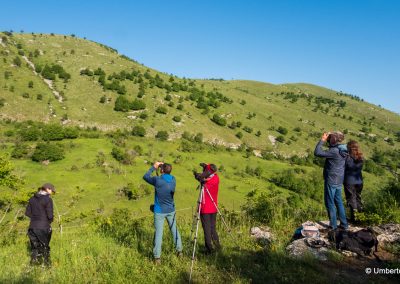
(352,46)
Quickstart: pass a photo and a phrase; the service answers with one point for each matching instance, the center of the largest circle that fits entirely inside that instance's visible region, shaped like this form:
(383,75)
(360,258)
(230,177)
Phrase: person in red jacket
(208,210)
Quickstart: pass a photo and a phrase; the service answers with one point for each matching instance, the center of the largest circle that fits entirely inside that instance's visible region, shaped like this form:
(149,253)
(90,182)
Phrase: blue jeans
(333,201)
(159,226)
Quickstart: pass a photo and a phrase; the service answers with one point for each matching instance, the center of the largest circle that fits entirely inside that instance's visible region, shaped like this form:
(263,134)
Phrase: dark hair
(166,168)
(354,150)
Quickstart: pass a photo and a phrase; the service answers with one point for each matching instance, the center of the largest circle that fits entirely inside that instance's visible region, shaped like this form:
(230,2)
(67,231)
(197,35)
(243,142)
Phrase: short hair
(167,168)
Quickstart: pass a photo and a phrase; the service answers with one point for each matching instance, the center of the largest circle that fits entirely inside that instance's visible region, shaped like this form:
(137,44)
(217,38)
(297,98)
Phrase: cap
(49,186)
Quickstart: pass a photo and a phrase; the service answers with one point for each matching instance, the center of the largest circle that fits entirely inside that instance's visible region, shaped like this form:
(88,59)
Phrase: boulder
(262,235)
(299,248)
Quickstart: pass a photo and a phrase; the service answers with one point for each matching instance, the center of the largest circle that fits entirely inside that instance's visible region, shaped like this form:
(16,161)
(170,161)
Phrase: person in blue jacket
(333,178)
(164,207)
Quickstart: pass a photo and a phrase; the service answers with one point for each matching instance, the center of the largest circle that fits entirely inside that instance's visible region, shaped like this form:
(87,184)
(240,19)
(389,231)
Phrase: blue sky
(352,46)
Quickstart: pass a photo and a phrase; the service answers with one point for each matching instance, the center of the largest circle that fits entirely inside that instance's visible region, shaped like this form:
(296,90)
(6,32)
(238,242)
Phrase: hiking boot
(179,254)
(157,261)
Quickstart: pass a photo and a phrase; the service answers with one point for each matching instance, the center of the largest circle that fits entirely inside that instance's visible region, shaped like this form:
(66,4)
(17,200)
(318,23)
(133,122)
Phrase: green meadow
(117,117)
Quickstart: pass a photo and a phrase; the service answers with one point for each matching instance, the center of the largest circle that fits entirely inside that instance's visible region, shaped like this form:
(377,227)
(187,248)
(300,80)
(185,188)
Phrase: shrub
(138,130)
(282,130)
(143,115)
(280,139)
(20,151)
(162,135)
(30,84)
(52,132)
(138,104)
(198,138)
(218,120)
(48,151)
(239,135)
(179,107)
(122,104)
(71,133)
(177,118)
(17,61)
(125,157)
(248,129)
(162,110)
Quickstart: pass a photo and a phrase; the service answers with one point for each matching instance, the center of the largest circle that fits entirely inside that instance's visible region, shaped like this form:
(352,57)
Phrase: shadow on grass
(262,266)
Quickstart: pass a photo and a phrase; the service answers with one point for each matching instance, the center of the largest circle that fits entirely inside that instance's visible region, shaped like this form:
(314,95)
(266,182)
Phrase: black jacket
(334,163)
(353,172)
(40,211)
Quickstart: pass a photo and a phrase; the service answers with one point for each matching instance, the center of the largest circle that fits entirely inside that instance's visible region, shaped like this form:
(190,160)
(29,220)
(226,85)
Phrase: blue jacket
(353,171)
(334,163)
(164,186)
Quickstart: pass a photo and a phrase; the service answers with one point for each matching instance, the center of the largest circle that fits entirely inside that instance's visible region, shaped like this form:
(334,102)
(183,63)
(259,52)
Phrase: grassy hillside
(97,115)
(257,106)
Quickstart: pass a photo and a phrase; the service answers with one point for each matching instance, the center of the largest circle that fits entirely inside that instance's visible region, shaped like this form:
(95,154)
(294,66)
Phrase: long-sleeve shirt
(164,189)
(40,211)
(207,205)
(334,163)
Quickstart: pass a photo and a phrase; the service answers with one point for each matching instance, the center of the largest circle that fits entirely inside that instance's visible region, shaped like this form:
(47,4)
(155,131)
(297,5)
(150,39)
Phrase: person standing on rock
(40,211)
(334,168)
(353,180)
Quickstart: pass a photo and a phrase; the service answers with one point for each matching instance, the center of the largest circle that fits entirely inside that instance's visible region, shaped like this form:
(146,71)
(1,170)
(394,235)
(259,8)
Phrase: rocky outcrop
(262,235)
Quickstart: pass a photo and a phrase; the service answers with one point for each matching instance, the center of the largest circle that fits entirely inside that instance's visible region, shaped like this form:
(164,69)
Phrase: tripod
(196,219)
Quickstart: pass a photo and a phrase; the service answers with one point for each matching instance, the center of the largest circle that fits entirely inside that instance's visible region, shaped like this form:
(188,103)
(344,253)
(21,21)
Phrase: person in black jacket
(353,180)
(333,178)
(40,212)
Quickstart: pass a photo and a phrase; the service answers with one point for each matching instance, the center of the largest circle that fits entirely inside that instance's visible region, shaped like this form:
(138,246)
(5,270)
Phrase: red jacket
(207,206)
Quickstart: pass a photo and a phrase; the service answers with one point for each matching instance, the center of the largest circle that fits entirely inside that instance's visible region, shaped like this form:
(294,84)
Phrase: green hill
(91,121)
(257,106)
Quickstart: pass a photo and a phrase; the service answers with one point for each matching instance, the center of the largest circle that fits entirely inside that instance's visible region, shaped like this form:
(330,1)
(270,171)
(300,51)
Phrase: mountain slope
(259,107)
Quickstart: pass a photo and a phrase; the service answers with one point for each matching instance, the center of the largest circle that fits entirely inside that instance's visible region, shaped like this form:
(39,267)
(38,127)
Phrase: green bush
(239,135)
(138,105)
(20,151)
(52,132)
(48,151)
(218,120)
(177,118)
(122,104)
(138,130)
(162,110)
(282,130)
(162,135)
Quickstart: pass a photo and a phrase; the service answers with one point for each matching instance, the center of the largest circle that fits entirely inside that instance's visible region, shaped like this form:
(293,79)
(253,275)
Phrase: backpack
(360,242)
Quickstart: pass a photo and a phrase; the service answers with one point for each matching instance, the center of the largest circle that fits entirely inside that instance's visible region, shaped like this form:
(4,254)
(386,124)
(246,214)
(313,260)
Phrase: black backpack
(360,242)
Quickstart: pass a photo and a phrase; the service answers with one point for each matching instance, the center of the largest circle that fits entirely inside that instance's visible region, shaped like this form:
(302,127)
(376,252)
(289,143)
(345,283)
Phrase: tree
(122,104)
(162,135)
(138,131)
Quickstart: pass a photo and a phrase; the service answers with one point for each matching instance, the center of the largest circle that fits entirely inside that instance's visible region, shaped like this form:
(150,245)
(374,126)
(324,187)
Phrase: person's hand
(156,165)
(325,136)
